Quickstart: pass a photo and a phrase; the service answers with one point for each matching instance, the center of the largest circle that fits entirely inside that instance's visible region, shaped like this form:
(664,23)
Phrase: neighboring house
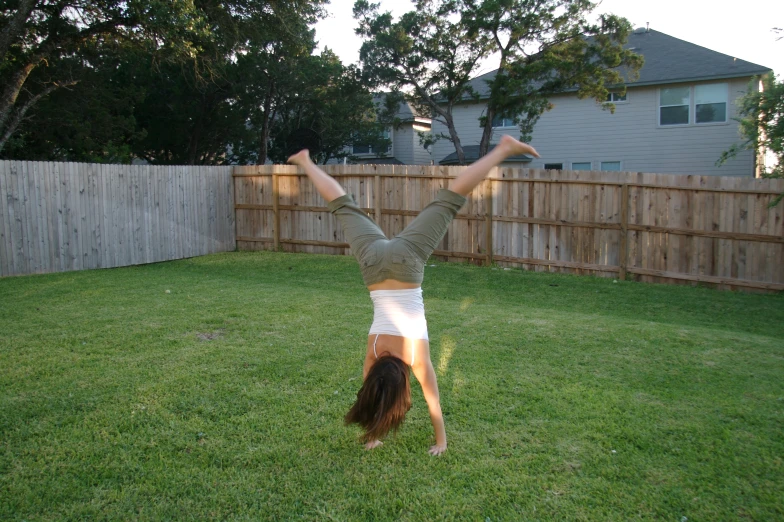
(405,148)
(677,118)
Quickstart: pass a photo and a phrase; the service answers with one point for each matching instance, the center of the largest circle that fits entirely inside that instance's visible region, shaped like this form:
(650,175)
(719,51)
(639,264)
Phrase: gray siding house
(677,118)
(405,148)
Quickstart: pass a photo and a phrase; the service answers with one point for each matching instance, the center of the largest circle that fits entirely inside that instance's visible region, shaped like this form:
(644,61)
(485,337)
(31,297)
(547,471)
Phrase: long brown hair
(383,400)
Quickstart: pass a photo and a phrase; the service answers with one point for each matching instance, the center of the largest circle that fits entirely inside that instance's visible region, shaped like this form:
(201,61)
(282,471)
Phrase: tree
(174,95)
(334,104)
(427,54)
(761,122)
(542,47)
(36,35)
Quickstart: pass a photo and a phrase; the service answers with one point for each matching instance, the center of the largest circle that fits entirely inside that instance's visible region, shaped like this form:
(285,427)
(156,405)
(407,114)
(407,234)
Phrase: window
(674,106)
(553,166)
(583,165)
(611,165)
(710,103)
(503,121)
(364,148)
(616,97)
(699,104)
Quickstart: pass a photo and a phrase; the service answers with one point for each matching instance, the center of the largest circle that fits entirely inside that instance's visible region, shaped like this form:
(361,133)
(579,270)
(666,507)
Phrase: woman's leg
(476,172)
(359,231)
(428,228)
(324,183)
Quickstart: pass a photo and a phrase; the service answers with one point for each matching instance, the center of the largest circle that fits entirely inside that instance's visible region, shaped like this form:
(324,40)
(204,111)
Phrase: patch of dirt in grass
(211,336)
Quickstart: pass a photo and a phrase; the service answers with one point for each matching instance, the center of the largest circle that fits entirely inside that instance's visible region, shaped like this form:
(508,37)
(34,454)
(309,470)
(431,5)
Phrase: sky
(742,30)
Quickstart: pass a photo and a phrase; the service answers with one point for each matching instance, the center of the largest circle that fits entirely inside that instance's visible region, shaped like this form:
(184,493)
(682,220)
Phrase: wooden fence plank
(37,171)
(6,244)
(83,222)
(30,226)
(49,256)
(118,216)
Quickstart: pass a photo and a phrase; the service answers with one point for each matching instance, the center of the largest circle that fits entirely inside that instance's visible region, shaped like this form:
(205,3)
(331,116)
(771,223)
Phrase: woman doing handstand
(392,270)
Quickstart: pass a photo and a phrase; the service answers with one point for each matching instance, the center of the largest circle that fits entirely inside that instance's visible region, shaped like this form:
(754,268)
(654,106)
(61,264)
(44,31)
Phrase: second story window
(365,148)
(503,121)
(700,104)
(674,106)
(710,103)
(616,97)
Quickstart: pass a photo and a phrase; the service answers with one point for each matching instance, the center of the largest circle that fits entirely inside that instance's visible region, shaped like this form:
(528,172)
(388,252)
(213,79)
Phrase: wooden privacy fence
(71,216)
(651,227)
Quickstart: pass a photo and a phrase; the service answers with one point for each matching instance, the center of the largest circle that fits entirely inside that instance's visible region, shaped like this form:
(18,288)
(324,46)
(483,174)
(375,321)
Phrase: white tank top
(399,312)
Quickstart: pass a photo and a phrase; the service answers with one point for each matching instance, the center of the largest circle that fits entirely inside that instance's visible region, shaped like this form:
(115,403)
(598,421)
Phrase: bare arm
(423,371)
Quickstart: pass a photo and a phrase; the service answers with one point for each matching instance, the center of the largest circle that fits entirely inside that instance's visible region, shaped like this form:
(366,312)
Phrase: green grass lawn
(215,388)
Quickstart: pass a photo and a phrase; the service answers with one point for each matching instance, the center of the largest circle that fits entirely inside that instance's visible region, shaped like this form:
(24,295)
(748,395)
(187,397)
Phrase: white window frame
(689,111)
(693,108)
(561,163)
(611,97)
(726,103)
(619,162)
(503,121)
(589,163)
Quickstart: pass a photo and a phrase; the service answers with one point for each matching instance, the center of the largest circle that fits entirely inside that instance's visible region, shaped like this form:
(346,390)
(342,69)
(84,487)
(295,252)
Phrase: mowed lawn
(214,389)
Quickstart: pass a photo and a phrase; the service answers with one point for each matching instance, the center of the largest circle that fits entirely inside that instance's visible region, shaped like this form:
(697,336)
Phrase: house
(677,118)
(405,148)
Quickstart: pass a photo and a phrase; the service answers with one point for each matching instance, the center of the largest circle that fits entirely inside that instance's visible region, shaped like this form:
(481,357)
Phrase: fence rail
(71,216)
(652,227)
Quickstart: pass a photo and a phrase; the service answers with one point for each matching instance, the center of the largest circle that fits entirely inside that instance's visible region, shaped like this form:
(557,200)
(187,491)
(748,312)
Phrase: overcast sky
(740,29)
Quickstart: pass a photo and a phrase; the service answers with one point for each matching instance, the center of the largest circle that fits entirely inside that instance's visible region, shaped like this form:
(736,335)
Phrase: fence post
(624,246)
(378,199)
(489,221)
(276,212)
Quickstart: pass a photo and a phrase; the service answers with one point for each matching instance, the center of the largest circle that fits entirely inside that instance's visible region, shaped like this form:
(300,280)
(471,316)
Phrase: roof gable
(671,60)
(668,60)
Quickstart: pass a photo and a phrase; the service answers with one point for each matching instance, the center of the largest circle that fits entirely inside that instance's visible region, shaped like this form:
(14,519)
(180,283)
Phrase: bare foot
(514,146)
(373,444)
(300,158)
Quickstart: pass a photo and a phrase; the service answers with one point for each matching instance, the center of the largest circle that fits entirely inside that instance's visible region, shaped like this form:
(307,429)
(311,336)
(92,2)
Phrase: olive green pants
(403,257)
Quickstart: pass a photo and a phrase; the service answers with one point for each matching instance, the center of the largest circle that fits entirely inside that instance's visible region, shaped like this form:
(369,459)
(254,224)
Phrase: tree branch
(20,114)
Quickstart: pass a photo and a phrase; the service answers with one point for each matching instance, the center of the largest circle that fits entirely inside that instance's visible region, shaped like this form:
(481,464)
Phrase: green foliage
(323,96)
(91,121)
(427,54)
(570,54)
(45,46)
(565,398)
(204,82)
(761,120)
(543,48)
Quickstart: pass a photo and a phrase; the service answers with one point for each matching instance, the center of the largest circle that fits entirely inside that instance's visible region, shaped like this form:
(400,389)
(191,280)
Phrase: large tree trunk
(450,125)
(12,30)
(487,132)
(265,126)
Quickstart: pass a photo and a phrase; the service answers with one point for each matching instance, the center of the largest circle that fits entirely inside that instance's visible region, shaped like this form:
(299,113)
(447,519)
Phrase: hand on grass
(438,449)
(373,444)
